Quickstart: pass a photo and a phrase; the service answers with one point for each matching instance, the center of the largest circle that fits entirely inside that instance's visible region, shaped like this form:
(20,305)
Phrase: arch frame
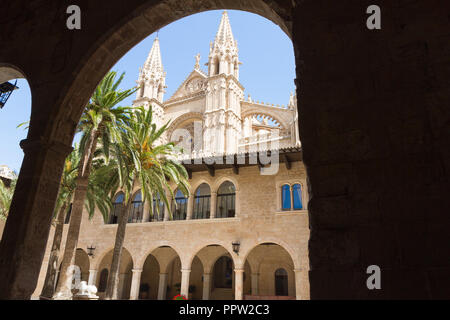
(97,261)
(294,255)
(227,248)
(140,260)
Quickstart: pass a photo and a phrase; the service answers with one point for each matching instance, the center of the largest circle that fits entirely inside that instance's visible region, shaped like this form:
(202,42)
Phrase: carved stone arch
(177,122)
(267,113)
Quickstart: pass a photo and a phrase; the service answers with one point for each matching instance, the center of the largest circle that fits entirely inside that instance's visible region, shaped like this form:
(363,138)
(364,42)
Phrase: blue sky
(267,72)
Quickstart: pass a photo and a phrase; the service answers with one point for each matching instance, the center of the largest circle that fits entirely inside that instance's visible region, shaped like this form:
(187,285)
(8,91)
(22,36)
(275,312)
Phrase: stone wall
(258,220)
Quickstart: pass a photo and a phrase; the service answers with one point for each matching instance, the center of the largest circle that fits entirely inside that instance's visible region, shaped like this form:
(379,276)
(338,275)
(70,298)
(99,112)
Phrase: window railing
(226,205)
(202,205)
(136,212)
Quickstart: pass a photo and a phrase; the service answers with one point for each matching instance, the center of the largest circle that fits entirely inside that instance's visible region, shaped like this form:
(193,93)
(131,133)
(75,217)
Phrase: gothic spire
(154,61)
(152,78)
(223,55)
(224,36)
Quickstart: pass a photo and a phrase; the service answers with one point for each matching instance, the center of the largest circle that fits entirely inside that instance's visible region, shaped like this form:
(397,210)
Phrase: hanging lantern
(6,89)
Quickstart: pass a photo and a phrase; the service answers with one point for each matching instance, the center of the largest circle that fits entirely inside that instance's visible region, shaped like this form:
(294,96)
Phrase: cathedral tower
(223,123)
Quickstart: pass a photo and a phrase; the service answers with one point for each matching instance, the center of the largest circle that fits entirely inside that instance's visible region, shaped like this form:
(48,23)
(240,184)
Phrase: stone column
(255,278)
(190,207)
(213,205)
(185,282)
(301,284)
(206,285)
(162,286)
(26,231)
(166,208)
(92,277)
(239,284)
(135,283)
(236,203)
(146,213)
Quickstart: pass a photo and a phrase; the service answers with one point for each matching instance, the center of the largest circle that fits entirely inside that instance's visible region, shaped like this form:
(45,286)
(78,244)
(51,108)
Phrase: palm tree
(6,194)
(141,160)
(97,197)
(100,122)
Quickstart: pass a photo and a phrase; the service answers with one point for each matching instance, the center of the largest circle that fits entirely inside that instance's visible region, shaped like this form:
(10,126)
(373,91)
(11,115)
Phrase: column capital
(136,270)
(30,144)
(185,270)
(239,270)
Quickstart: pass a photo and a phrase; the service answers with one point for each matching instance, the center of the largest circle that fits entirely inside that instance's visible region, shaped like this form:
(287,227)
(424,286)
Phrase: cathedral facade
(242,231)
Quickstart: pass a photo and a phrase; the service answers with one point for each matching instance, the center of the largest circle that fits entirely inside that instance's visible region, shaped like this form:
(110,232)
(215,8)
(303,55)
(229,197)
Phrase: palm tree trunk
(113,278)
(63,290)
(50,277)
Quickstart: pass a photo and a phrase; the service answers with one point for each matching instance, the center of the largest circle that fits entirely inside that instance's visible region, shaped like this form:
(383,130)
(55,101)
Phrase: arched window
(281,282)
(179,206)
(226,198)
(103,280)
(117,206)
(202,202)
(286,197)
(158,208)
(297,196)
(137,208)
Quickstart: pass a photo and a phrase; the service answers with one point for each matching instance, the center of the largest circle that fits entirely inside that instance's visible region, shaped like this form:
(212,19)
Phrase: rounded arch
(183,120)
(199,182)
(119,197)
(199,248)
(215,187)
(292,253)
(136,193)
(99,259)
(141,260)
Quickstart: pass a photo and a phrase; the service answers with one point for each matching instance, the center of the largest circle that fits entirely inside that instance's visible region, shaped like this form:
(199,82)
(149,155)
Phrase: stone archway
(160,275)
(212,272)
(149,284)
(264,261)
(374,130)
(125,273)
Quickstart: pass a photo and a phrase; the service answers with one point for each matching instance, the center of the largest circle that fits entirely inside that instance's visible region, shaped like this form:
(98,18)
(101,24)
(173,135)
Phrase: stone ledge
(176,222)
(292,212)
